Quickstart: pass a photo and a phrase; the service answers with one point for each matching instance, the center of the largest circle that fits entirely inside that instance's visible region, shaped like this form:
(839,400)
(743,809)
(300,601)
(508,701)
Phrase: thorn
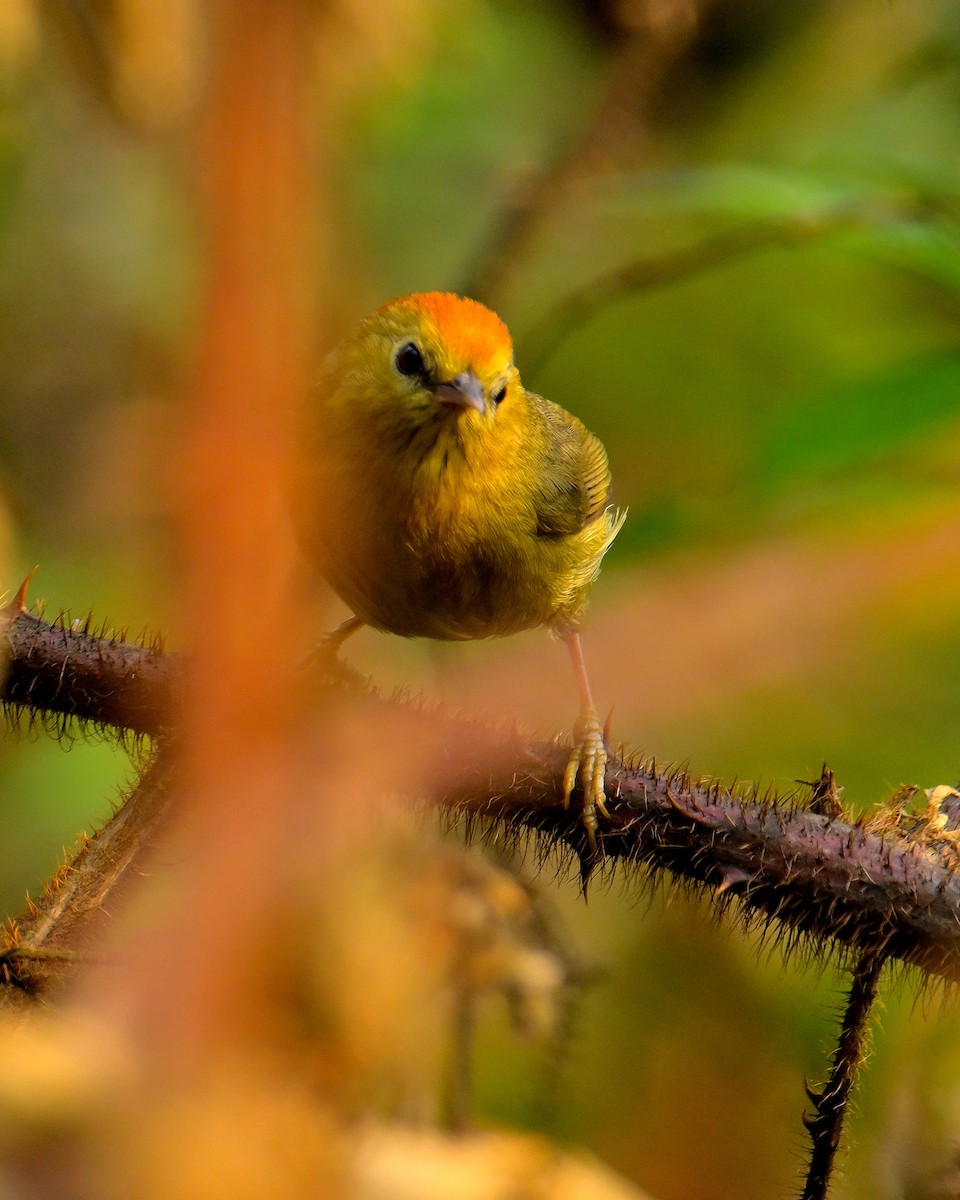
(825,798)
(815,1098)
(588,857)
(607,726)
(19,603)
(732,877)
(691,816)
(588,862)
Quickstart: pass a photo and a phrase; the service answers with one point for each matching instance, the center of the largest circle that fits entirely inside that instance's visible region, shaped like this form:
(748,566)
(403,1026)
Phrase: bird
(444,500)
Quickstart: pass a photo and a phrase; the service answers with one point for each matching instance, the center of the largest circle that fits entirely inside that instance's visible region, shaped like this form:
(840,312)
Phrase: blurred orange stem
(251,371)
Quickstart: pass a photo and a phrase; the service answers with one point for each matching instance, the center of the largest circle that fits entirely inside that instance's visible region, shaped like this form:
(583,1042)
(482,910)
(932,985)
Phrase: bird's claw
(587,766)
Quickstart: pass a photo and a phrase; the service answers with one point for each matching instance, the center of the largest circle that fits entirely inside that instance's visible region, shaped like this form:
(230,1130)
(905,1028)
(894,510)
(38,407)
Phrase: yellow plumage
(445,500)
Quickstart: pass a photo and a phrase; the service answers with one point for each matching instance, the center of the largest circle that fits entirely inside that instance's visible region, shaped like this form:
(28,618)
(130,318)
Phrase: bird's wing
(573,489)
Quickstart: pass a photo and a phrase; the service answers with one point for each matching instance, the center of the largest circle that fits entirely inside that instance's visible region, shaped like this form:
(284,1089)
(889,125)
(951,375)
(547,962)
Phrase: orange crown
(474,330)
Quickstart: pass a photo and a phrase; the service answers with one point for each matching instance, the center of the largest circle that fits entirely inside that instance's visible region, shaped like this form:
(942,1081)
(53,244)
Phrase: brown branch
(874,887)
(69,671)
(41,949)
(830,1105)
(65,671)
(890,886)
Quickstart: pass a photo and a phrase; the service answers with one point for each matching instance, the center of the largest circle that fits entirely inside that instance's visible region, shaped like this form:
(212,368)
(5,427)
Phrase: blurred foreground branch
(886,887)
(55,934)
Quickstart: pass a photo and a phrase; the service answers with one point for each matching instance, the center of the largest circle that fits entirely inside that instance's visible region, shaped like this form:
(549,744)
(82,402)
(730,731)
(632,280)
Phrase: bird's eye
(499,396)
(409,361)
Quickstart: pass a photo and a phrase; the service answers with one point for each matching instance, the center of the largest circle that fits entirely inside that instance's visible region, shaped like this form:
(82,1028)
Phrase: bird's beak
(462,391)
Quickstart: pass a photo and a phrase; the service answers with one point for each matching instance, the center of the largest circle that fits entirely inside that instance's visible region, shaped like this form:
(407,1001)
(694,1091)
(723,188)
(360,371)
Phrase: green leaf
(862,422)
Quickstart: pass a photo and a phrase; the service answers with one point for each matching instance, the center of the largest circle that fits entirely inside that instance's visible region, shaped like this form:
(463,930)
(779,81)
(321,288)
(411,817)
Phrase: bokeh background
(725,235)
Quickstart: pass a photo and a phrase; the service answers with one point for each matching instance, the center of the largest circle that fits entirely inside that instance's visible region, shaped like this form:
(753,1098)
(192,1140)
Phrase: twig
(47,943)
(830,1105)
(576,308)
(647,52)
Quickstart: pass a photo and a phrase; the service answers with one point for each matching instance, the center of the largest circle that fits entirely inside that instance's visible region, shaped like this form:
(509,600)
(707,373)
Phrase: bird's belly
(445,588)
(432,563)
(476,596)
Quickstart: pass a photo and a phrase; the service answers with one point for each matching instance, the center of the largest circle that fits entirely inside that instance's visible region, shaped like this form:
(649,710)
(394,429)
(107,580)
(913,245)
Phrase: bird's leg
(331,642)
(324,654)
(588,761)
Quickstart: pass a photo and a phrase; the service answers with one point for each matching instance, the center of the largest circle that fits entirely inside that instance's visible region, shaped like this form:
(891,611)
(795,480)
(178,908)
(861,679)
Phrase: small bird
(455,503)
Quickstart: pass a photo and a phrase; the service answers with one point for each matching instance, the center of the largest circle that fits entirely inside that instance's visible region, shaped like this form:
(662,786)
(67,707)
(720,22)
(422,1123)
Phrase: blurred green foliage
(799,397)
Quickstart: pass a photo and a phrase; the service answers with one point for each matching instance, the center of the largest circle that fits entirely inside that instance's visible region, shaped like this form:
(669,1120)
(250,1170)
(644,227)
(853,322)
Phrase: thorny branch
(888,886)
(41,947)
(830,1105)
(64,670)
(61,673)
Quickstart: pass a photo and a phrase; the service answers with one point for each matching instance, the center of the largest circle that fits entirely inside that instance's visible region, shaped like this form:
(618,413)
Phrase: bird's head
(434,357)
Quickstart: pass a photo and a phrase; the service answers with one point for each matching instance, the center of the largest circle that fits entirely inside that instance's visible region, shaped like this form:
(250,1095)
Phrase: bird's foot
(587,766)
